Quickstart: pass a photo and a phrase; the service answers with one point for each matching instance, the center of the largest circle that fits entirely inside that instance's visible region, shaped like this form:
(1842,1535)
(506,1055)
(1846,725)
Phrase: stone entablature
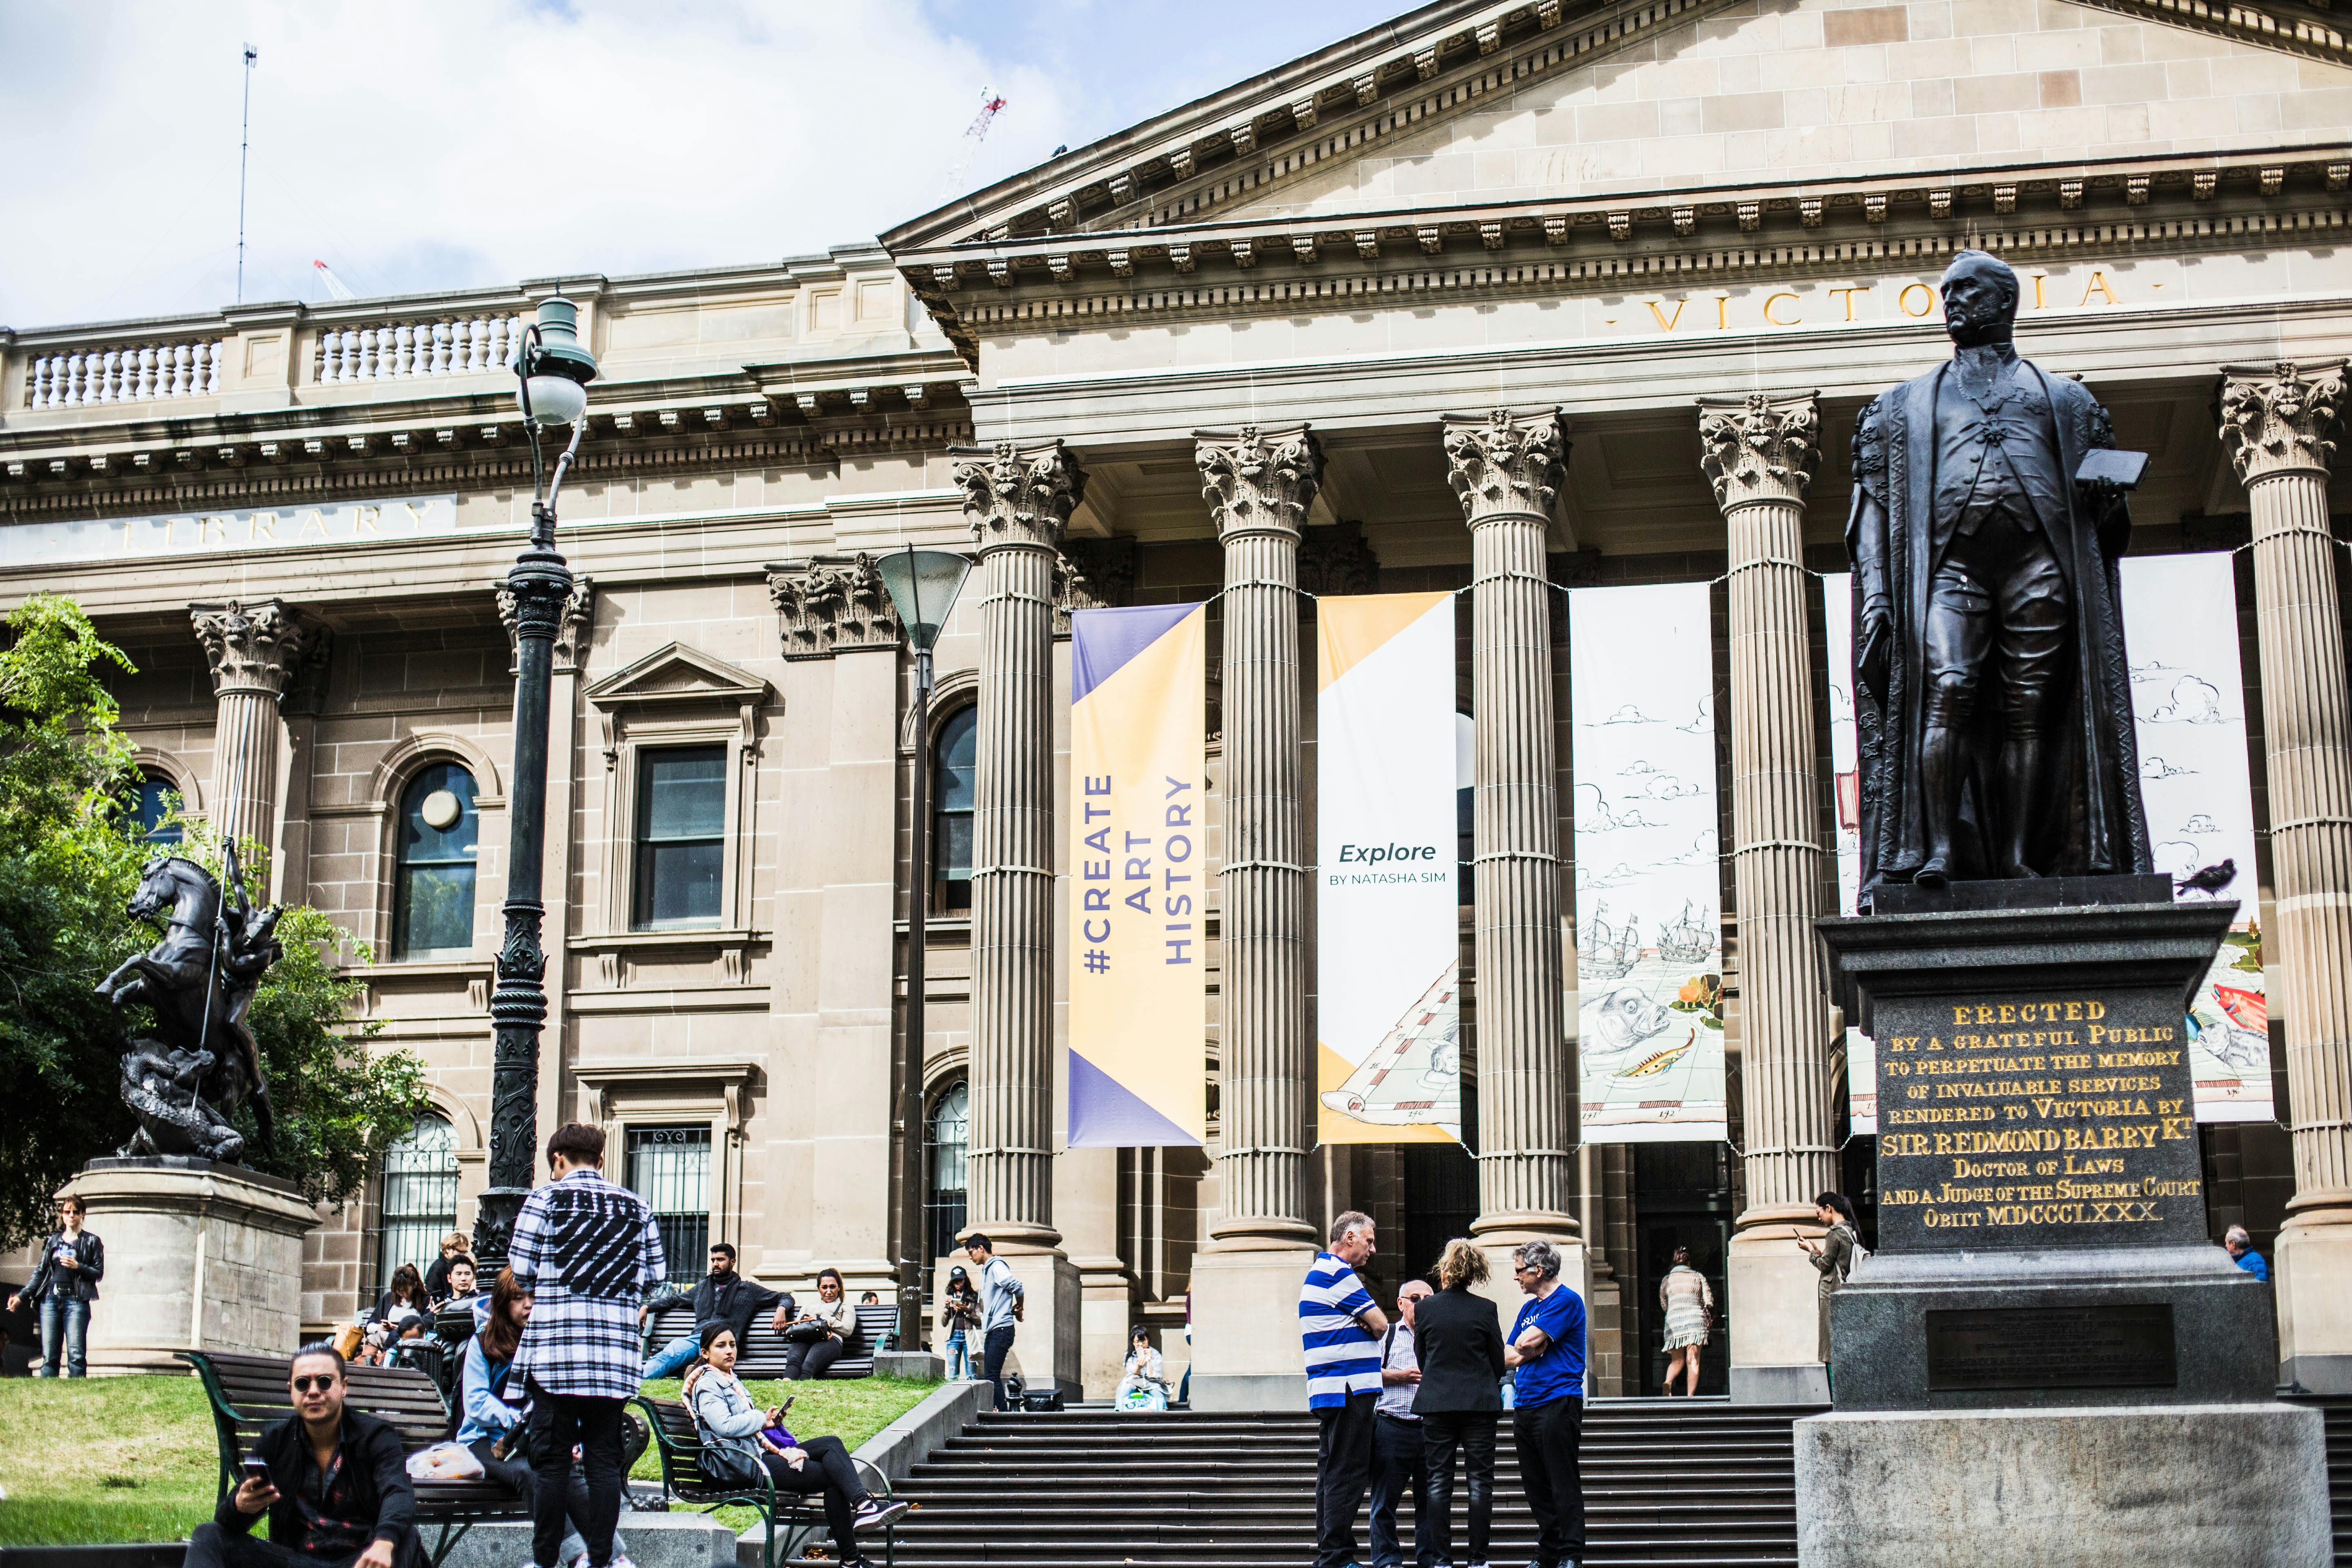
(832,604)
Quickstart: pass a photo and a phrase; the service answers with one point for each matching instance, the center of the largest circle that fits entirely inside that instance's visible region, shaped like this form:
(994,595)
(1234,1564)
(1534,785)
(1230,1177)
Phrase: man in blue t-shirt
(1547,1346)
(1341,1330)
(2242,1253)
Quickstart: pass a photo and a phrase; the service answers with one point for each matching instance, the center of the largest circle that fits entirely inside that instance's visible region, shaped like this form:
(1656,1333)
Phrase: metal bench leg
(452,1532)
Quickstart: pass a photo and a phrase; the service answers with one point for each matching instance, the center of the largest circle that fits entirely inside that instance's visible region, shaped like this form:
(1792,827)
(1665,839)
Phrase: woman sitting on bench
(491,1427)
(738,1438)
(815,1340)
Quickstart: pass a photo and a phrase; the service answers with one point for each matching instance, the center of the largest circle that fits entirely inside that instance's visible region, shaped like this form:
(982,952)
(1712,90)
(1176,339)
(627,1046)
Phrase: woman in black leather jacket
(66,1283)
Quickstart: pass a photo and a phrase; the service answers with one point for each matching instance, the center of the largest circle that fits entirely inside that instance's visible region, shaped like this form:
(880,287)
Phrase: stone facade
(1678,247)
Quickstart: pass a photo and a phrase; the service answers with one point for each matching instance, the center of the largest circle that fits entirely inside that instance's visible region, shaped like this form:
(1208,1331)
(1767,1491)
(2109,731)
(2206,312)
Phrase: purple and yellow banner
(1138,855)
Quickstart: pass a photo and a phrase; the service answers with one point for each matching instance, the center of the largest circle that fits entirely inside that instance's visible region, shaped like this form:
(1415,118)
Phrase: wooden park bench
(248,1391)
(877,1329)
(800,1516)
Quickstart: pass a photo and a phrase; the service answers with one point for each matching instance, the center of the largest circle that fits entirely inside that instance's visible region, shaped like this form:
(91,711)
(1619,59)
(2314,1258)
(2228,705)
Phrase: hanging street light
(552,370)
(922,585)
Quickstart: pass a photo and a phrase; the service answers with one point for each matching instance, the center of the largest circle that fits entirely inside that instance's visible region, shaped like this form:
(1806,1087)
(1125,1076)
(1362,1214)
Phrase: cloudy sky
(432,143)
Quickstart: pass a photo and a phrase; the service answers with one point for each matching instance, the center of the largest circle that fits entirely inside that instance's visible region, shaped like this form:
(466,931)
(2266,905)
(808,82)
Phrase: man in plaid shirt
(589,1253)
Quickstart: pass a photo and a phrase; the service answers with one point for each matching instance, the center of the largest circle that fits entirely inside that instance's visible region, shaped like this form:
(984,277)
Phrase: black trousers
(803,1361)
(1471,1432)
(210,1546)
(1396,1470)
(1547,1435)
(557,1420)
(998,1345)
(517,1475)
(1343,1466)
(827,1469)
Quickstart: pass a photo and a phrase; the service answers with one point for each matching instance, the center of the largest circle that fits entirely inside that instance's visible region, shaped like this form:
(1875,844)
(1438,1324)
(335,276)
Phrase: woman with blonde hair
(1459,1337)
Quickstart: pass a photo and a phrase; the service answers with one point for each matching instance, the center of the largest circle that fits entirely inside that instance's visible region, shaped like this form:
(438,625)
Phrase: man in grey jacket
(1002,1301)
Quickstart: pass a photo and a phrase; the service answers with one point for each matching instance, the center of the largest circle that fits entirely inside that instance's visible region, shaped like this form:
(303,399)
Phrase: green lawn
(133,1459)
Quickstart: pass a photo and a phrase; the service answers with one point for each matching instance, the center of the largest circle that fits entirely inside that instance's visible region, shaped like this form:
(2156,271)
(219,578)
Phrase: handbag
(806,1332)
(729,1468)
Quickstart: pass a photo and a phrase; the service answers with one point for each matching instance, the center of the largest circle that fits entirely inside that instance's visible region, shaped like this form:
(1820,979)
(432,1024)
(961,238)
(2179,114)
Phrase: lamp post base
(494,1223)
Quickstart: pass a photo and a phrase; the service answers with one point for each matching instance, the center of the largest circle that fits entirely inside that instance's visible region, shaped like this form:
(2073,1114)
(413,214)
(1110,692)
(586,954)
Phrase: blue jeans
(959,1354)
(68,1321)
(674,1357)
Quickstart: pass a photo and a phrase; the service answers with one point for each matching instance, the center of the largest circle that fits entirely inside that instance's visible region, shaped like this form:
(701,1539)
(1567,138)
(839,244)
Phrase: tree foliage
(69,865)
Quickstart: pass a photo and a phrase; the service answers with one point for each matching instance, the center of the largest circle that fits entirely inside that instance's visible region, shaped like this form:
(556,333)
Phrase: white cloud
(1628,714)
(2200,823)
(1704,724)
(2158,768)
(2194,701)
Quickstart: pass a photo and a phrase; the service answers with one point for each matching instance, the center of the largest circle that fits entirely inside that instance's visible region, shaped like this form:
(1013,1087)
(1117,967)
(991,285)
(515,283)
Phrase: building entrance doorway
(1682,1197)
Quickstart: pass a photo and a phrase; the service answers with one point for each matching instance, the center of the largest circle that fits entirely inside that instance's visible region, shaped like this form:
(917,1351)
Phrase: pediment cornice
(678,676)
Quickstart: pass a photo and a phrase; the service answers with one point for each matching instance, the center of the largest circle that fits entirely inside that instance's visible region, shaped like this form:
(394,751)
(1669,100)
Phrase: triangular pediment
(1460,104)
(677,675)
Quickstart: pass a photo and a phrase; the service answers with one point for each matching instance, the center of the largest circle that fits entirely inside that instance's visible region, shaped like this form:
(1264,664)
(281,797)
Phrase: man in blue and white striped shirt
(1341,1330)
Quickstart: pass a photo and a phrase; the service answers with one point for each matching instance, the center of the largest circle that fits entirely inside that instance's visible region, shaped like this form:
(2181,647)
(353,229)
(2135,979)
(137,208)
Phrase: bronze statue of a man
(1992,703)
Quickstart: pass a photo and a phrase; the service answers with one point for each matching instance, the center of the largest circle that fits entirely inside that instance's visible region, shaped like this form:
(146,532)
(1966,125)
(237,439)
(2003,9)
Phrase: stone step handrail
(131,372)
(387,351)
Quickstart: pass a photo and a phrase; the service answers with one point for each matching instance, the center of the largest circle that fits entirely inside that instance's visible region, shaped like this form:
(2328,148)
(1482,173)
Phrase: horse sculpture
(187,1079)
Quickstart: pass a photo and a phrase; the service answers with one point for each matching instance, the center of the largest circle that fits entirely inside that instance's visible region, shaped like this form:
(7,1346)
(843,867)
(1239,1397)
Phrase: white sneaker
(874,1513)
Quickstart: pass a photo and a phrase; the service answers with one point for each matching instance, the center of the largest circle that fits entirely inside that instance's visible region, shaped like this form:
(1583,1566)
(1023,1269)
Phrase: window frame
(641,918)
(936,895)
(685,1266)
(379,1259)
(933,1208)
(399,950)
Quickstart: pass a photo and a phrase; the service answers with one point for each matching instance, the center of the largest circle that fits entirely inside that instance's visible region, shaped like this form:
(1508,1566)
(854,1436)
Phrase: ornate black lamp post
(923,585)
(554,370)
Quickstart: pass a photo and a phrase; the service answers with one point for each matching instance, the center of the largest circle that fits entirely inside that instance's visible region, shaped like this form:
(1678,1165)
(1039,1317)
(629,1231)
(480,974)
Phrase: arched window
(420,1197)
(433,898)
(157,796)
(953,788)
(944,1140)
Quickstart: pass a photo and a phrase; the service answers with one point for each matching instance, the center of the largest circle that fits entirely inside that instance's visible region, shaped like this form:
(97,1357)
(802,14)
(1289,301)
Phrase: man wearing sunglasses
(332,1481)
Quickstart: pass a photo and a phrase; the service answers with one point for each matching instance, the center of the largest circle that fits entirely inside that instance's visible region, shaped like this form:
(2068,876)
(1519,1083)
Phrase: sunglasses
(320,1383)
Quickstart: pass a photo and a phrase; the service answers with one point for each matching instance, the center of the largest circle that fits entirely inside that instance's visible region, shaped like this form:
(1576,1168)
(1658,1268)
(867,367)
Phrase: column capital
(1759,448)
(258,648)
(1259,478)
(1019,495)
(573,619)
(832,604)
(2280,418)
(1504,463)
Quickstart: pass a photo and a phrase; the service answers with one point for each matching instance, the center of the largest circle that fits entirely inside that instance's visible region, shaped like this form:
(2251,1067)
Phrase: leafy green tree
(69,865)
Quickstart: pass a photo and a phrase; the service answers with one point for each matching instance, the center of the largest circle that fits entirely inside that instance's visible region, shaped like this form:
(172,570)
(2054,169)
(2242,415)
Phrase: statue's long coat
(2092,761)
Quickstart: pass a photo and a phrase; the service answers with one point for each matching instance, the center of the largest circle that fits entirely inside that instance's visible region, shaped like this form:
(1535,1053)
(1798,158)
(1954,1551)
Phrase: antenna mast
(973,135)
(245,144)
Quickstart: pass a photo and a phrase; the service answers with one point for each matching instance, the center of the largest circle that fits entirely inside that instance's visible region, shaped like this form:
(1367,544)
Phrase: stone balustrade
(130,373)
(389,351)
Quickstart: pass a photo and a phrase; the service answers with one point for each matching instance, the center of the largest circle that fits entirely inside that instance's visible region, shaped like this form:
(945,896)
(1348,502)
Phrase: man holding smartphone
(333,1482)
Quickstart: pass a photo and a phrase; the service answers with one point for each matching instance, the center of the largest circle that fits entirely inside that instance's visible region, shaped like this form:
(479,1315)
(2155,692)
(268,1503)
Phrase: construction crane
(336,288)
(973,135)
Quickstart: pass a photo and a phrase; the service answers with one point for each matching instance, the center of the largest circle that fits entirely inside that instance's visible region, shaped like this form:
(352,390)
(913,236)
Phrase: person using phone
(331,1480)
(815,1341)
(64,1285)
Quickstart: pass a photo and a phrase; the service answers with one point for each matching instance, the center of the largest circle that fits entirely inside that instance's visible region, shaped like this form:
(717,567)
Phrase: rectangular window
(420,1199)
(681,824)
(669,1167)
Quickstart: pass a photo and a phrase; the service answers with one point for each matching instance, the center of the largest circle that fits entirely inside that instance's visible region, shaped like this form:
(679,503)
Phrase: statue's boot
(1937,804)
(2020,777)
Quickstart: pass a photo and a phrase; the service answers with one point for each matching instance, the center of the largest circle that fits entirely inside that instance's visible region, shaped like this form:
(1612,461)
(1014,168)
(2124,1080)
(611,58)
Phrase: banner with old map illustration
(1845,767)
(1387,910)
(1649,903)
(1139,1067)
(2188,701)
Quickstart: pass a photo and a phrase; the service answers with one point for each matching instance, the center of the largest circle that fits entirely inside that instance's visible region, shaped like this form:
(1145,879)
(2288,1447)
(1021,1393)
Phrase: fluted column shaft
(1259,484)
(1759,453)
(1019,500)
(1506,470)
(253,651)
(2277,421)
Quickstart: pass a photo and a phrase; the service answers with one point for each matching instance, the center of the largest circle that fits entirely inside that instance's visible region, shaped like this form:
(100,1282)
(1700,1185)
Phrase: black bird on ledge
(2210,879)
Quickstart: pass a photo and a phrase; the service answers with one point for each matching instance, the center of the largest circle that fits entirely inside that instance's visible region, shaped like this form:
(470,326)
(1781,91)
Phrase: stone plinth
(2093,1488)
(1246,1352)
(199,1255)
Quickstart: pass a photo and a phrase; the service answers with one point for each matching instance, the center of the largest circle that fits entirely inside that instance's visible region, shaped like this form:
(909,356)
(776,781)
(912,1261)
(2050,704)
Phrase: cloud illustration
(1640,765)
(1616,875)
(1841,703)
(1628,714)
(2200,823)
(1665,786)
(2154,669)
(1593,814)
(2158,768)
(2177,859)
(1702,725)
(1702,852)
(2194,701)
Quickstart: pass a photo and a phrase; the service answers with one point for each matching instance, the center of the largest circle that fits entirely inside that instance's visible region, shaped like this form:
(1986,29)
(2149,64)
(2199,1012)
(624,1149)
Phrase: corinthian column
(1759,452)
(1507,468)
(2276,424)
(254,652)
(1258,484)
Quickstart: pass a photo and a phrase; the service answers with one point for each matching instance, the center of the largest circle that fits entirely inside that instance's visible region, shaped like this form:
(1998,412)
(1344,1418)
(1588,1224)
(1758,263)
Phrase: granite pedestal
(199,1255)
(2046,1336)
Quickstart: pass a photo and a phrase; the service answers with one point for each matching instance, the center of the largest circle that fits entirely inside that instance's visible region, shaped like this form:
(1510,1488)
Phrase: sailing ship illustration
(1386,1090)
(1686,940)
(1606,953)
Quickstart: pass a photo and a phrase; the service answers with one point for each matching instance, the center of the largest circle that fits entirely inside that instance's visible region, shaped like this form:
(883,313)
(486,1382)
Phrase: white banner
(2189,704)
(1387,912)
(1845,764)
(1649,904)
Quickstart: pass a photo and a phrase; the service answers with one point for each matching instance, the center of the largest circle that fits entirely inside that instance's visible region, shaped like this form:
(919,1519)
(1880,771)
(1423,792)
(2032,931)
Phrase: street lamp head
(555,367)
(923,585)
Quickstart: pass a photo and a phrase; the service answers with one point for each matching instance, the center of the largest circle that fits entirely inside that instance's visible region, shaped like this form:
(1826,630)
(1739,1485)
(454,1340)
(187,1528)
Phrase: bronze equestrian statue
(186,1081)
(1993,700)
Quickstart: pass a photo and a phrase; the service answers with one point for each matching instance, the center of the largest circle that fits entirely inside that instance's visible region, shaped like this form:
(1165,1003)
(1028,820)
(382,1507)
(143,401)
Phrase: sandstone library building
(1518,302)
